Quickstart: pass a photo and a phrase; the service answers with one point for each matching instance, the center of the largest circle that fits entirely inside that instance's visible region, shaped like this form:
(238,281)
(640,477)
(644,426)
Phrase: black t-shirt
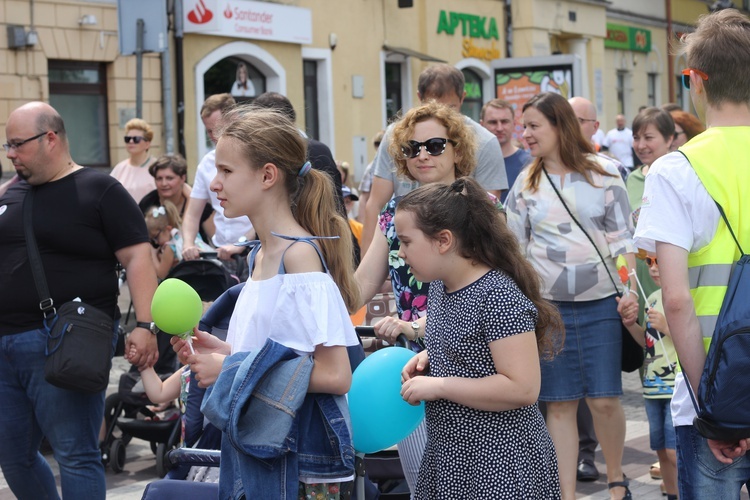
(79,222)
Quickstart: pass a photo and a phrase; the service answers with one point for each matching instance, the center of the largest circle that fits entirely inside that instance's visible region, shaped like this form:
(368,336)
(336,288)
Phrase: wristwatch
(415,327)
(151,327)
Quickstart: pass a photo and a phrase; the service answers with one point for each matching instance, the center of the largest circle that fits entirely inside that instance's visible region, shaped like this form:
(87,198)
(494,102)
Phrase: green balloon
(176,307)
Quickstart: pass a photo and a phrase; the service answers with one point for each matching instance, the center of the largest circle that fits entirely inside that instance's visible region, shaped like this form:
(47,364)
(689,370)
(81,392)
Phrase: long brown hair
(482,235)
(575,149)
(268,136)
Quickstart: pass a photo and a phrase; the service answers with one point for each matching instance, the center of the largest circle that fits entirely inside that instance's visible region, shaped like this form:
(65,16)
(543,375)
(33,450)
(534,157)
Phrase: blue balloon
(380,416)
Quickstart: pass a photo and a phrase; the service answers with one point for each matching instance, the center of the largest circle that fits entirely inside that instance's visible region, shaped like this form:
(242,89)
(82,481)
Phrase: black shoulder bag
(79,336)
(632,352)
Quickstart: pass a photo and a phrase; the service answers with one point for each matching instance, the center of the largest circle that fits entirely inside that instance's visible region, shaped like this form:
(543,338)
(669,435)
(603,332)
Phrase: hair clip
(156,212)
(305,169)
(458,186)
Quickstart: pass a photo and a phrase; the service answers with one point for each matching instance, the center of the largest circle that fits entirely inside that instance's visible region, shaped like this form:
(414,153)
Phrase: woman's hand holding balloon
(206,367)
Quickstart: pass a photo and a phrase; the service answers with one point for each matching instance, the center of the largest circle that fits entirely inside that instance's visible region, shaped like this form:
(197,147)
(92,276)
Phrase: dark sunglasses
(651,261)
(686,76)
(434,147)
(136,139)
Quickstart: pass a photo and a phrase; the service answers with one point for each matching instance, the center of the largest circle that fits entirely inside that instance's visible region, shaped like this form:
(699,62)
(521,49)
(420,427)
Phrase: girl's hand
(203,343)
(206,367)
(658,321)
(418,389)
(415,367)
(389,328)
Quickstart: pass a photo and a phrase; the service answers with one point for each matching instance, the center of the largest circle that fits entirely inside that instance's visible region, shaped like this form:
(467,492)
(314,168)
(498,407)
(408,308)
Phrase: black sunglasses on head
(134,138)
(434,147)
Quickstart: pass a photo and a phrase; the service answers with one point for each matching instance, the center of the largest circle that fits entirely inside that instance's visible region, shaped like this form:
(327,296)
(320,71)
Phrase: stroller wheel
(154,447)
(162,465)
(117,455)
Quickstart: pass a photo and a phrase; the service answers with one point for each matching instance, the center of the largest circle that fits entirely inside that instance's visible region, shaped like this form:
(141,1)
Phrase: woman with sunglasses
(568,180)
(133,172)
(430,144)
(686,126)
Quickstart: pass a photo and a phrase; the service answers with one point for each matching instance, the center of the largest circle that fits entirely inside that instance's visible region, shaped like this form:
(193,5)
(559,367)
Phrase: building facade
(348,66)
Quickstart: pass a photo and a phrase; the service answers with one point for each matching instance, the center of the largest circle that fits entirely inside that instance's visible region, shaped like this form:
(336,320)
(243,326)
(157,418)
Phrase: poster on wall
(518,80)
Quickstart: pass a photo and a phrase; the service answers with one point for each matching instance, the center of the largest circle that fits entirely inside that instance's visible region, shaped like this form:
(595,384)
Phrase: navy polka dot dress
(472,453)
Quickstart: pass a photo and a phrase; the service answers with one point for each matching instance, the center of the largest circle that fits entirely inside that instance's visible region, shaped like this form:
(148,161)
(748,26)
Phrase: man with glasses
(586,113)
(498,117)
(84,222)
(681,223)
(444,84)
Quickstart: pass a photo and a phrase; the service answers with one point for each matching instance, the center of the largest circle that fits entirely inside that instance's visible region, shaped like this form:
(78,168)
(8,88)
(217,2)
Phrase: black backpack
(723,405)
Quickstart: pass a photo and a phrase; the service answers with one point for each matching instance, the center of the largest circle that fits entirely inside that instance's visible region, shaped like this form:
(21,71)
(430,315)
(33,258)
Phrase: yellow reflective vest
(720,157)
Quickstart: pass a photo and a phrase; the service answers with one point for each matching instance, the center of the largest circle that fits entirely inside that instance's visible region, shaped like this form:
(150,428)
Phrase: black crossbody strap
(726,221)
(45,300)
(617,289)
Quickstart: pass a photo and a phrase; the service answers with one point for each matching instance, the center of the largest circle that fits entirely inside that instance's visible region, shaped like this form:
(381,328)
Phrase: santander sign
(249,19)
(200,14)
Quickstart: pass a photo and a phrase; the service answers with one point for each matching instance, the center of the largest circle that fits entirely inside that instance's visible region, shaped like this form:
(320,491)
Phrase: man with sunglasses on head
(444,84)
(680,222)
(84,222)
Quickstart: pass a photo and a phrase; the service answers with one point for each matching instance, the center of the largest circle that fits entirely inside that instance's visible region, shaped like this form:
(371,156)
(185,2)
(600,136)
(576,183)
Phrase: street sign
(154,16)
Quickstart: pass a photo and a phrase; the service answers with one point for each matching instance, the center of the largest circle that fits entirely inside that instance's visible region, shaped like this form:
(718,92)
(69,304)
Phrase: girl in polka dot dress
(487,327)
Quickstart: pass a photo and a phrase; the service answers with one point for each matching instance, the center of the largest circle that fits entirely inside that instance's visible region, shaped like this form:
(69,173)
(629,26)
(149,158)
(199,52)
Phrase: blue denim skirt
(589,364)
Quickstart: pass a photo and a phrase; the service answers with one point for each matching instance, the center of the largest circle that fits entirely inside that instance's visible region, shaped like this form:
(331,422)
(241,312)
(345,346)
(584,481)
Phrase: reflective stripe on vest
(721,167)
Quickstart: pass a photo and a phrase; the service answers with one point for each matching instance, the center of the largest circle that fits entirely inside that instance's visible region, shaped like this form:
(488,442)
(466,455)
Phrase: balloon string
(188,337)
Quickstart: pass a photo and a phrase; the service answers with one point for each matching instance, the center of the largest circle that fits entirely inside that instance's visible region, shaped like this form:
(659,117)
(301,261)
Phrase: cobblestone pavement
(140,464)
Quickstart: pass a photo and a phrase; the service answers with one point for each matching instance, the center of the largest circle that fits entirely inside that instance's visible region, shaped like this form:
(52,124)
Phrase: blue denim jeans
(700,475)
(31,408)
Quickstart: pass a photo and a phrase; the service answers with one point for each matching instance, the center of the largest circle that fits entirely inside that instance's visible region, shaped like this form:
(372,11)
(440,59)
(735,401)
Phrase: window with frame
(621,75)
(394,99)
(651,87)
(78,91)
(312,107)
(472,105)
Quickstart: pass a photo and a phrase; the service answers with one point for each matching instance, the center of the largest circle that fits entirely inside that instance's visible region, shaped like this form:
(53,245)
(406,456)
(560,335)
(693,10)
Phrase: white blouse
(299,311)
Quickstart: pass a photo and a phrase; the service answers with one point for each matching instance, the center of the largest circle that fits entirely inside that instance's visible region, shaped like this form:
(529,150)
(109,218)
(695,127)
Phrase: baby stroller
(125,411)
(206,275)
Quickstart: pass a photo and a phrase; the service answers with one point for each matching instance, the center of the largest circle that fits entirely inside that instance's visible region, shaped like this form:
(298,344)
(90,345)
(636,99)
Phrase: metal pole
(179,77)
(139,68)
(166,87)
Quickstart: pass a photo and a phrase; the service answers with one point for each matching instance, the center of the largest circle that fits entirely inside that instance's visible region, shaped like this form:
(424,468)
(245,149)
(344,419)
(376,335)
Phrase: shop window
(312,108)
(78,91)
(394,99)
(651,86)
(236,76)
(472,105)
(680,94)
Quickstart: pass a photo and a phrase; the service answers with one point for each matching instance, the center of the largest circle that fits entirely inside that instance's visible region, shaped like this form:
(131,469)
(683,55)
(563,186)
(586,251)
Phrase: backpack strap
(726,221)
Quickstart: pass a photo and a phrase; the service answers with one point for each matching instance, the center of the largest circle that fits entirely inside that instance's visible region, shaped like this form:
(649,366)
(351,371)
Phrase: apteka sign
(247,19)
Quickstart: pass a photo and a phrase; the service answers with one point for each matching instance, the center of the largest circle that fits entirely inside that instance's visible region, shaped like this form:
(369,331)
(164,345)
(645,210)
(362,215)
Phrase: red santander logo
(200,14)
(228,12)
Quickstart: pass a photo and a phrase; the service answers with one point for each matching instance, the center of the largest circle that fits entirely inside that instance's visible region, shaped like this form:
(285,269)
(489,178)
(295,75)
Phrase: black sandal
(624,483)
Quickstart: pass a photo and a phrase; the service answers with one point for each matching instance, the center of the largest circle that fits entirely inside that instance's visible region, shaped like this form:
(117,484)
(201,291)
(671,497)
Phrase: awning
(412,53)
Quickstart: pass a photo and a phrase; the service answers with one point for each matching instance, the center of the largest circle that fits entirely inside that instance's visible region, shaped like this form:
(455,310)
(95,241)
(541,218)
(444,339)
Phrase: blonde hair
(462,136)
(267,136)
(156,220)
(142,125)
